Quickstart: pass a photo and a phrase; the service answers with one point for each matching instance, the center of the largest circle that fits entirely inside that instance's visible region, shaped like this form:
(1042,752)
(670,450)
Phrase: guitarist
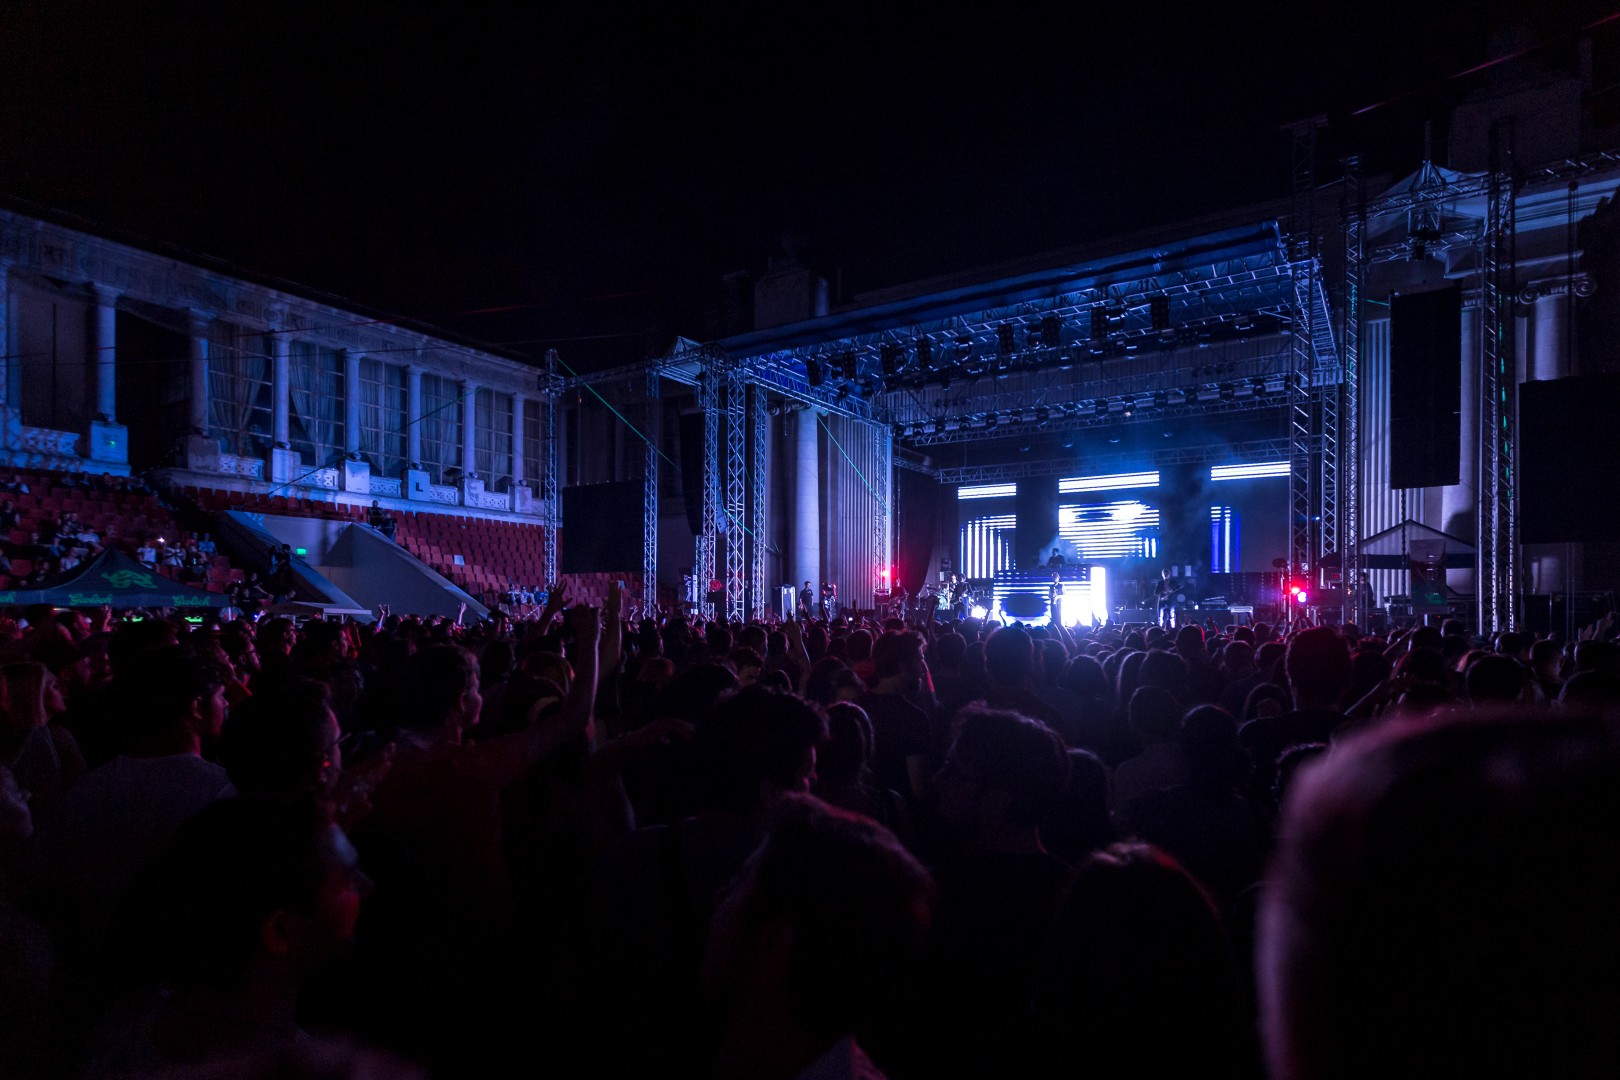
(1165,593)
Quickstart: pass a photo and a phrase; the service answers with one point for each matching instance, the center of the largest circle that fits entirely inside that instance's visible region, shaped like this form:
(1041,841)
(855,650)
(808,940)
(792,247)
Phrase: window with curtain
(492,410)
(383,394)
(316,407)
(440,425)
(239,400)
(534,466)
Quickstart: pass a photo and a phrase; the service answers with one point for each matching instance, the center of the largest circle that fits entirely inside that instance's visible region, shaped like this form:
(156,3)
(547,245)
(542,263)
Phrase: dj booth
(1075,594)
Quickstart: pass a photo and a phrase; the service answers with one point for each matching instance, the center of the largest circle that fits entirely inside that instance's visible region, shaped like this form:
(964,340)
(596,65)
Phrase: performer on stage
(958,595)
(807,602)
(829,600)
(1165,593)
(1057,561)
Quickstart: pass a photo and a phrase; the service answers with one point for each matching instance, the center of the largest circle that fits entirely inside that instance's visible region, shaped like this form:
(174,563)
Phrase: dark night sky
(598,171)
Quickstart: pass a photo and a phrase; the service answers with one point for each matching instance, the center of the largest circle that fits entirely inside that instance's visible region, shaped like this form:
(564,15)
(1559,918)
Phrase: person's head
(820,928)
(1495,679)
(1546,658)
(276,636)
(1190,642)
(858,646)
(899,657)
(1003,770)
(32,694)
(1137,967)
(283,740)
(842,759)
(440,692)
(1265,699)
(1318,666)
(1009,657)
(1443,900)
(1237,660)
(756,745)
(176,699)
(247,889)
(1216,761)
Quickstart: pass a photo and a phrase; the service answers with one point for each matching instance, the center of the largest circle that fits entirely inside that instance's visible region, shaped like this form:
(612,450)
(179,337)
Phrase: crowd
(597,845)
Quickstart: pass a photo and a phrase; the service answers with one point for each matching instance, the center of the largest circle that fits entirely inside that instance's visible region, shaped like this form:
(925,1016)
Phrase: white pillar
(518,402)
(1550,360)
(413,416)
(197,324)
(104,349)
(1459,503)
(351,401)
(281,386)
(807,502)
(469,427)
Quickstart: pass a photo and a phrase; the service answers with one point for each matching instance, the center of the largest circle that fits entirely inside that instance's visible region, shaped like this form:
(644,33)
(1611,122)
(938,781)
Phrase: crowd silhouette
(596,845)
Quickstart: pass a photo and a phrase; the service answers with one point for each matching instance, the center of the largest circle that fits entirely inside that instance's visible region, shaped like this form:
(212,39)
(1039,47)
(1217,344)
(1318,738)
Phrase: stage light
(979,611)
(925,354)
(1005,343)
(1099,324)
(847,366)
(812,371)
(1159,312)
(889,357)
(1051,331)
(939,426)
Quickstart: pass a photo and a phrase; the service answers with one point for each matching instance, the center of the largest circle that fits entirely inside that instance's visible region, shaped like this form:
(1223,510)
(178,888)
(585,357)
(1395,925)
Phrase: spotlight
(1099,324)
(939,425)
(1005,343)
(812,371)
(1159,312)
(925,354)
(847,366)
(1051,331)
(889,356)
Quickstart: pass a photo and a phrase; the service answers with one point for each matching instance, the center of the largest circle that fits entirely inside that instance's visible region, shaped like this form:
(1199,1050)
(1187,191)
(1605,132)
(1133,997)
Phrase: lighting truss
(649,493)
(1302,490)
(548,474)
(709,402)
(1355,232)
(1496,582)
(1210,454)
(760,424)
(736,492)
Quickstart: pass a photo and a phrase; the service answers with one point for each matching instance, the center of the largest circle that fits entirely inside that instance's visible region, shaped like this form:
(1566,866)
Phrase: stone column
(413,415)
(108,439)
(104,349)
(518,402)
(469,428)
(351,401)
(807,503)
(1459,503)
(281,386)
(197,324)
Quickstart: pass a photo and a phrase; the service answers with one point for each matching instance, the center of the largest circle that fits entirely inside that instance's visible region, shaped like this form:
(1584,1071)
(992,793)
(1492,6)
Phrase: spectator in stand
(1319,673)
(146,554)
(8,515)
(44,757)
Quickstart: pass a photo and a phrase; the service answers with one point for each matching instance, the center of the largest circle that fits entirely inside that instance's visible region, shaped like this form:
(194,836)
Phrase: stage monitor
(601,528)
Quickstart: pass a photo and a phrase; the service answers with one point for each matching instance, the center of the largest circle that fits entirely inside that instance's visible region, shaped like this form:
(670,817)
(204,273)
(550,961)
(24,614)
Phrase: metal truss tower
(1349,509)
(548,472)
(736,492)
(1302,501)
(709,403)
(759,436)
(883,513)
(649,494)
(1497,578)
